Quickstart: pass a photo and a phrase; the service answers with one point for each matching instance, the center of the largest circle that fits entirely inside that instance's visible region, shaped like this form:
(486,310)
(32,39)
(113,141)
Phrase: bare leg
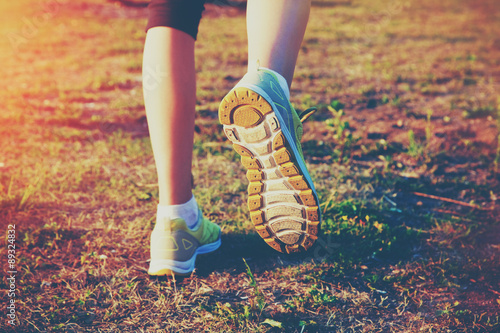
(275,32)
(170,98)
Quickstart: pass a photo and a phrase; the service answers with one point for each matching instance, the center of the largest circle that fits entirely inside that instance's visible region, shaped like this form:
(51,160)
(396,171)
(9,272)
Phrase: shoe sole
(283,206)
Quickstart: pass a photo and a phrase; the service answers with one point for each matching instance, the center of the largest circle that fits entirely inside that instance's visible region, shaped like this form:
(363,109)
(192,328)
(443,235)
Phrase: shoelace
(307,113)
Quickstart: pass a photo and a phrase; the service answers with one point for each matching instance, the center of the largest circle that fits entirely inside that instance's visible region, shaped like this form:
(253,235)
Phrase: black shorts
(183,15)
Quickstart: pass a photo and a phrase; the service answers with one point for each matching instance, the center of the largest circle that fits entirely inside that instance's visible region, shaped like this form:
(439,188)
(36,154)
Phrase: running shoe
(266,131)
(174,246)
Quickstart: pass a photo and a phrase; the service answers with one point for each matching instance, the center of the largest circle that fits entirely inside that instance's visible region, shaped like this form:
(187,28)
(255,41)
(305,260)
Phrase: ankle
(187,211)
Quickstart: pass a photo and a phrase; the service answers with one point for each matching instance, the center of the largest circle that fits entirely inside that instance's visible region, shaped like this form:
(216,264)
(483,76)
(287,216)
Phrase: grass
(406,109)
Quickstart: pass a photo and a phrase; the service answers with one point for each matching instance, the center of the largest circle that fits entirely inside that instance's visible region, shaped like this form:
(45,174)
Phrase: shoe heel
(243,107)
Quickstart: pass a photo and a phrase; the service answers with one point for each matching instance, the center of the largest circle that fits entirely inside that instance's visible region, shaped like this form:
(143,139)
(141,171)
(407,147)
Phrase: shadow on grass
(234,248)
(345,239)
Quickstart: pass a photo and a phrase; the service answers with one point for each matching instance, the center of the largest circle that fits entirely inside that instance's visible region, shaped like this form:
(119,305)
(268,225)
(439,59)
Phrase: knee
(183,15)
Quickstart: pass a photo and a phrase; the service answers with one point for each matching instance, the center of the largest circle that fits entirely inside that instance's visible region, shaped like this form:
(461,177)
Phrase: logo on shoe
(187,244)
(172,245)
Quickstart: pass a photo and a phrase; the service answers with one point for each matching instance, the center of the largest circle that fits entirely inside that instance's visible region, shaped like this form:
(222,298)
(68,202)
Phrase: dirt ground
(404,150)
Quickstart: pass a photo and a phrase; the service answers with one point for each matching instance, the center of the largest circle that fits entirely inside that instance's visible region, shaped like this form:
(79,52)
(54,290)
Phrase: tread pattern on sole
(282,205)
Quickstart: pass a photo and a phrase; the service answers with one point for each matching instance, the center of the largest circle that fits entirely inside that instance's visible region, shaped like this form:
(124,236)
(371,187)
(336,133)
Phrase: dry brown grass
(77,176)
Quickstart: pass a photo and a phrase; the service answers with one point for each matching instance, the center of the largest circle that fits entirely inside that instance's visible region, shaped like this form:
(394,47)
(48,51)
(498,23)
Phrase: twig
(494,291)
(390,201)
(444,211)
(450,200)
